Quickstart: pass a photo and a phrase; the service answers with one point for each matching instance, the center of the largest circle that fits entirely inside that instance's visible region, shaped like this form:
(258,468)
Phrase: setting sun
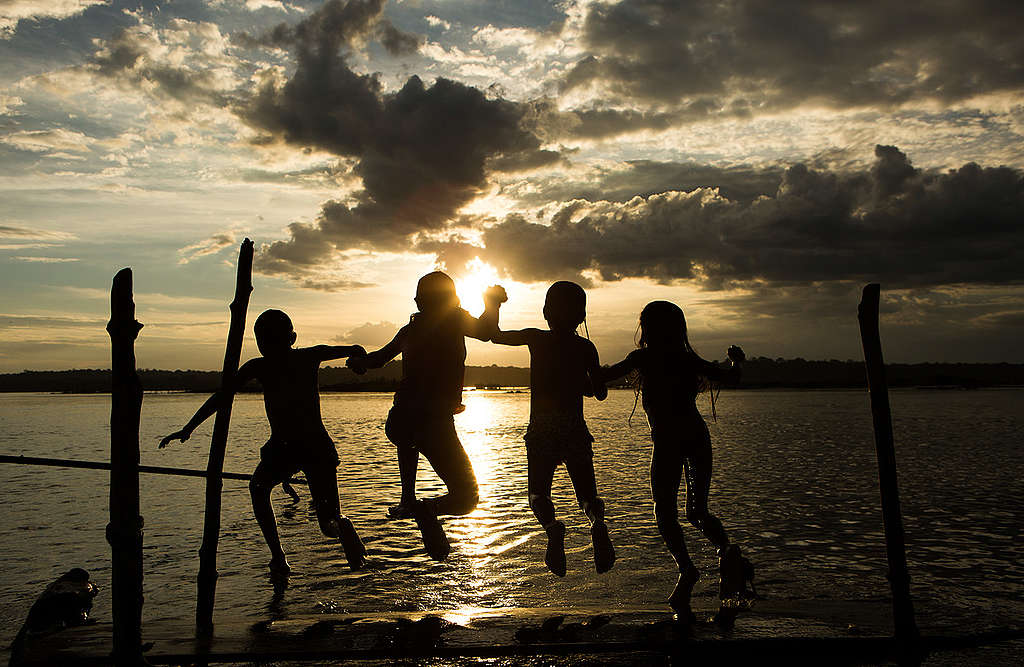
(470,286)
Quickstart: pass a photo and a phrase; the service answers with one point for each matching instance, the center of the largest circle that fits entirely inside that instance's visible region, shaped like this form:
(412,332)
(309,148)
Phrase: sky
(756,163)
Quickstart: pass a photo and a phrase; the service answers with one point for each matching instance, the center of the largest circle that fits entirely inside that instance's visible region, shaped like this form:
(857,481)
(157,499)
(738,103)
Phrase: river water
(795,483)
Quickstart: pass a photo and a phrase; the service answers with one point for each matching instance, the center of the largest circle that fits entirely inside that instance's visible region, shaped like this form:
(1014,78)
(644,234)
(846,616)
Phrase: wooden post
(207,580)
(899,579)
(124,532)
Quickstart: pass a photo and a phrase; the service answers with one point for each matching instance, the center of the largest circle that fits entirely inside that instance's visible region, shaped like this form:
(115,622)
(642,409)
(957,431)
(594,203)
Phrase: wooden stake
(899,579)
(207,580)
(124,532)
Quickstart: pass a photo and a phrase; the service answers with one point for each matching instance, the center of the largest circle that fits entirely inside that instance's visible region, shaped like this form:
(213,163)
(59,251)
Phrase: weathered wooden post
(899,579)
(207,579)
(124,532)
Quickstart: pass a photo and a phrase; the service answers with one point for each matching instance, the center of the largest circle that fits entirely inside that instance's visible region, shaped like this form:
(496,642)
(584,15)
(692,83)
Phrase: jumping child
(564,368)
(671,375)
(298,439)
(433,349)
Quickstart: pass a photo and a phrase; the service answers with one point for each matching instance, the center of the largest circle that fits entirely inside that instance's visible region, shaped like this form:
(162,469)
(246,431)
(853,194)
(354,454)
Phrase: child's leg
(400,432)
(666,474)
(448,458)
(581,471)
(584,483)
(262,482)
(408,462)
(540,472)
(697,464)
(323,487)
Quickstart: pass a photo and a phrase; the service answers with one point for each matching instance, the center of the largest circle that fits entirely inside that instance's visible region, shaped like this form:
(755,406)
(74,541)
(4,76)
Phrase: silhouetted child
(433,349)
(298,439)
(564,367)
(671,375)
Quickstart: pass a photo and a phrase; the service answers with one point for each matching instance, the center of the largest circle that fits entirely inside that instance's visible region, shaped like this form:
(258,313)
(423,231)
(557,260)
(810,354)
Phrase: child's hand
(181,436)
(357,351)
(495,294)
(736,354)
(357,364)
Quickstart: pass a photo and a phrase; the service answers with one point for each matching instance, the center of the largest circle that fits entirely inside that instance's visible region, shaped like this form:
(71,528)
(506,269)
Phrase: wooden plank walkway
(798,631)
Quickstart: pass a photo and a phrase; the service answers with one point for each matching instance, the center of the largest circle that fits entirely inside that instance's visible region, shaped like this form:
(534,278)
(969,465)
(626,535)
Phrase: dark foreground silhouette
(670,375)
(433,350)
(563,368)
(298,439)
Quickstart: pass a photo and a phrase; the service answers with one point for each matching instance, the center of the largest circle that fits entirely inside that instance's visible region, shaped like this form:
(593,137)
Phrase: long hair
(663,324)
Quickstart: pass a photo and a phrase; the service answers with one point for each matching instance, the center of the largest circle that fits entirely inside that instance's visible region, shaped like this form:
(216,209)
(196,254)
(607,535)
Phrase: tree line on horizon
(758,373)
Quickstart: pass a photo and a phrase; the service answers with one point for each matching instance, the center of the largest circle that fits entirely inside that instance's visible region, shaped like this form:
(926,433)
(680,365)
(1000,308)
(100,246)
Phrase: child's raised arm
(246,373)
(485,326)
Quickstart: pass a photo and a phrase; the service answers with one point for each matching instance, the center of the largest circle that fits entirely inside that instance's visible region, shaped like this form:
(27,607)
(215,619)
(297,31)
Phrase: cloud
(369,334)
(186,62)
(891,223)
(54,141)
(421,152)
(763,57)
(29,233)
(9,321)
(208,246)
(47,260)
(13,11)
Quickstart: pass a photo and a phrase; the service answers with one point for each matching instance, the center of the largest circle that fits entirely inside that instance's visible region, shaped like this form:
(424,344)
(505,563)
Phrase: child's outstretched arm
(245,373)
(328,352)
(360,362)
(485,326)
(595,374)
(621,369)
(730,374)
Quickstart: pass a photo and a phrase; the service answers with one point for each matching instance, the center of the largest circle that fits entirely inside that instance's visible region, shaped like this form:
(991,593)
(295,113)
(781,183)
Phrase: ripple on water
(795,483)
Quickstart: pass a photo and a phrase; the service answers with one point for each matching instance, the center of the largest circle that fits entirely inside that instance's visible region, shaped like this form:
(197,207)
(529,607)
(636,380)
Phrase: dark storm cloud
(422,152)
(892,223)
(772,55)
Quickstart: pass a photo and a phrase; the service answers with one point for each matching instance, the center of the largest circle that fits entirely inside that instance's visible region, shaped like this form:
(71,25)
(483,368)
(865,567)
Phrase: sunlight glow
(471,285)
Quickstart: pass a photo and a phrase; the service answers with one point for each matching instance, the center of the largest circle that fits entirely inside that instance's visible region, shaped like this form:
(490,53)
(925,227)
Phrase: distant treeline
(757,373)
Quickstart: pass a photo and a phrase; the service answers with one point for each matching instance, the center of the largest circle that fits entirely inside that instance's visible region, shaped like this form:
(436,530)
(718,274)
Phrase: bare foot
(554,557)
(604,552)
(355,552)
(680,598)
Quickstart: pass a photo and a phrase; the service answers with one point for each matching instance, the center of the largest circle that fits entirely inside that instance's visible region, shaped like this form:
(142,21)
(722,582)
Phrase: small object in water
(604,552)
(434,538)
(680,598)
(65,603)
(355,551)
(554,557)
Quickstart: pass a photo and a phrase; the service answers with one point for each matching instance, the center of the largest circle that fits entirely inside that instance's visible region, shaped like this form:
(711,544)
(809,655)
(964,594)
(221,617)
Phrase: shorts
(558,439)
(428,432)
(283,458)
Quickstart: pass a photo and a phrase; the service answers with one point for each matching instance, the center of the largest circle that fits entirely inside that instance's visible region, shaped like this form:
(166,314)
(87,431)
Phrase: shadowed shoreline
(759,373)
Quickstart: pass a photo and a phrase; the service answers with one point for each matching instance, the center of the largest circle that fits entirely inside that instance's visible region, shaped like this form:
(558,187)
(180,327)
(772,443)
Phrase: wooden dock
(800,632)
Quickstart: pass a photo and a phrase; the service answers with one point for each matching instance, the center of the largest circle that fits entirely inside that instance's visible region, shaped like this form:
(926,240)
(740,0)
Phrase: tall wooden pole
(899,579)
(207,579)
(124,532)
